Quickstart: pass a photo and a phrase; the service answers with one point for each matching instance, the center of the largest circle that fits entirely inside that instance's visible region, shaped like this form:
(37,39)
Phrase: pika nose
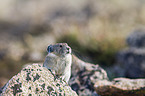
(68,49)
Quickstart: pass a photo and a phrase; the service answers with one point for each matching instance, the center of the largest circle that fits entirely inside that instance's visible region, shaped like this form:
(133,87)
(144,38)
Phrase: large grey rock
(84,76)
(35,80)
(131,62)
(136,39)
(121,87)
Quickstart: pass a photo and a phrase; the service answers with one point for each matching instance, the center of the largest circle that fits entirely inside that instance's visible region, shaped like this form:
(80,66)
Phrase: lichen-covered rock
(35,80)
(121,87)
(84,76)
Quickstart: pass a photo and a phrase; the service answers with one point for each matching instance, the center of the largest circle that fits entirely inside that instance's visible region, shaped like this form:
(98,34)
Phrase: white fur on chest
(58,63)
(52,55)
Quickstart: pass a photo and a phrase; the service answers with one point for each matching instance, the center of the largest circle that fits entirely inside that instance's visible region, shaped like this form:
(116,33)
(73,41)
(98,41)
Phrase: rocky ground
(130,61)
(96,30)
(86,80)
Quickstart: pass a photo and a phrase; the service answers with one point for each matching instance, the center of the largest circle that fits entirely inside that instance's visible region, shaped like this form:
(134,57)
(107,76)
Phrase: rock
(121,87)
(36,80)
(136,39)
(84,76)
(132,62)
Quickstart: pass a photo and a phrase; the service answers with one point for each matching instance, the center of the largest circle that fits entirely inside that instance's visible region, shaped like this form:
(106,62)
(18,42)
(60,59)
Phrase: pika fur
(59,59)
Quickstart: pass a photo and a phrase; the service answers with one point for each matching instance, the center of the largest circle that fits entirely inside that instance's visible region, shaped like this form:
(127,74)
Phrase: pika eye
(60,46)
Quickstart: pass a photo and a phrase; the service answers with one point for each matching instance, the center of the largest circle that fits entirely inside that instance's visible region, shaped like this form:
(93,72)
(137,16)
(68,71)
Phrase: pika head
(59,59)
(60,49)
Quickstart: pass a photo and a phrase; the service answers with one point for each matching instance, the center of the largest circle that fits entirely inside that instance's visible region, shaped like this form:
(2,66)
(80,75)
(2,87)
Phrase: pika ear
(50,49)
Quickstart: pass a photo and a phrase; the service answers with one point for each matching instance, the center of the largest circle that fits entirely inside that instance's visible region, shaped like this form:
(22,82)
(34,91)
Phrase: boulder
(121,87)
(84,76)
(131,61)
(36,80)
(136,39)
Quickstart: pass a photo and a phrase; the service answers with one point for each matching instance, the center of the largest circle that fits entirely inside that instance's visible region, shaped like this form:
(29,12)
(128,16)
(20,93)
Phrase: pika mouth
(68,52)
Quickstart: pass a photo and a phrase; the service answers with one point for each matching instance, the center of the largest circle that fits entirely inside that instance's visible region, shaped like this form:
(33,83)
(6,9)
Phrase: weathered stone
(121,87)
(84,75)
(132,62)
(36,80)
(136,39)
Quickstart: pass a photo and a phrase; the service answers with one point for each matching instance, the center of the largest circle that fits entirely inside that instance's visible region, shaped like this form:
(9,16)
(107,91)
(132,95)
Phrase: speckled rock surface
(83,77)
(35,80)
(121,87)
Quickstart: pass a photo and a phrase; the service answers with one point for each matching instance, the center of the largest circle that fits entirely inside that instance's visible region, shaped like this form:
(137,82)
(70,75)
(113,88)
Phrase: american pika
(59,59)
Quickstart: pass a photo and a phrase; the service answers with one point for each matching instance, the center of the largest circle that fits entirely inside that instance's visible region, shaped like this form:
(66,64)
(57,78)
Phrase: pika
(59,59)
